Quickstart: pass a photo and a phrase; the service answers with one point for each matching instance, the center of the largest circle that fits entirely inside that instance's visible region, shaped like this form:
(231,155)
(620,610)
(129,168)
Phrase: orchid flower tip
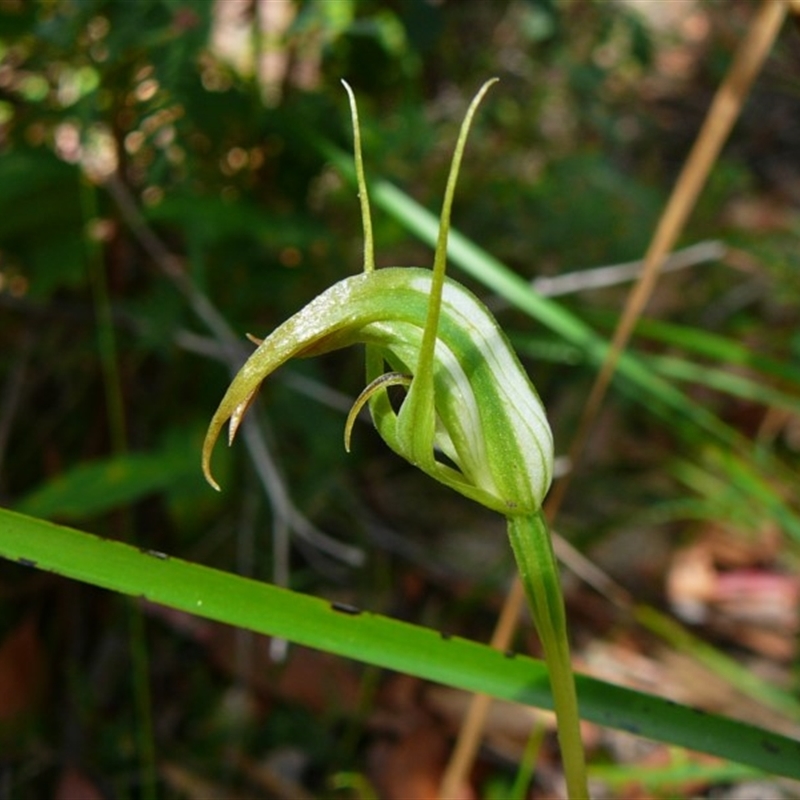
(209,477)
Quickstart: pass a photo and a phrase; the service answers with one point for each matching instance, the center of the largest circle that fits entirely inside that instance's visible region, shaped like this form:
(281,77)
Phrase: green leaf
(723,380)
(675,777)
(97,487)
(377,640)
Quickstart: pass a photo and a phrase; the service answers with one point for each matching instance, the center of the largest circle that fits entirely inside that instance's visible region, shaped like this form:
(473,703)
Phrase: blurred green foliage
(200,113)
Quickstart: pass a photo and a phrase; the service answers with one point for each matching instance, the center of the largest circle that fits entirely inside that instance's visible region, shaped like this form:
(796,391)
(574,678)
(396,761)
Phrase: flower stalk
(538,569)
(470,418)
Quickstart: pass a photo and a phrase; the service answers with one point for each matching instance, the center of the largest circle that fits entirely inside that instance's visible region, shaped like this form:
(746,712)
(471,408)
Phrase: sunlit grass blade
(724,381)
(752,388)
(718,663)
(719,348)
(734,491)
(377,640)
(674,778)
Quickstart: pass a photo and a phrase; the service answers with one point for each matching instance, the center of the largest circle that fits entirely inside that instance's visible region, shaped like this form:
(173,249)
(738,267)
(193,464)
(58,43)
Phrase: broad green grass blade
(720,348)
(723,380)
(95,487)
(707,344)
(376,640)
(673,779)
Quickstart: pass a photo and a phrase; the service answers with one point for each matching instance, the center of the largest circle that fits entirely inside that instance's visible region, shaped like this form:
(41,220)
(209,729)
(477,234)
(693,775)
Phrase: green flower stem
(536,561)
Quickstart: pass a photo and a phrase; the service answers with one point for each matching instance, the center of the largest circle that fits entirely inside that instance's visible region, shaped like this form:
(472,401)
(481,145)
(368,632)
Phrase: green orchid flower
(477,404)
(468,396)
(470,417)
